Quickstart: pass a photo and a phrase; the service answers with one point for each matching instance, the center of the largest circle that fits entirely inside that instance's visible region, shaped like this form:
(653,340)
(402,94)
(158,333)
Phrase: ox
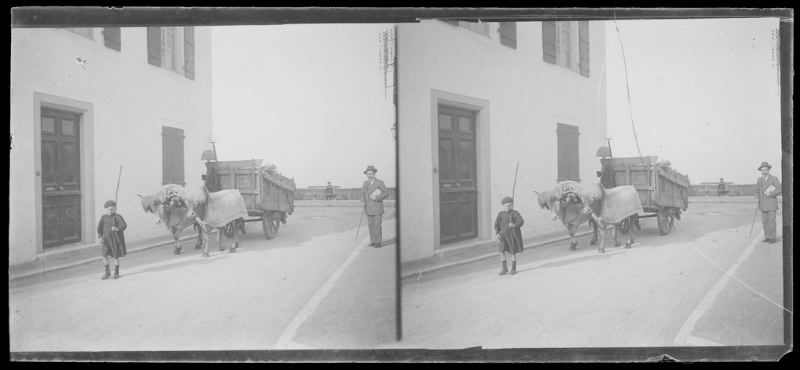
(574,204)
(178,209)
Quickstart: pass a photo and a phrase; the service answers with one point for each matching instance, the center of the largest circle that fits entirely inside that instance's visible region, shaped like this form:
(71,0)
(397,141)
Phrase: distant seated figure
(722,188)
(329,192)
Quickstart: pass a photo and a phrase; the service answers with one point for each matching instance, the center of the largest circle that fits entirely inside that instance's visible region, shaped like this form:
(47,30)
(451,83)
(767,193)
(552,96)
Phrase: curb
(487,255)
(47,269)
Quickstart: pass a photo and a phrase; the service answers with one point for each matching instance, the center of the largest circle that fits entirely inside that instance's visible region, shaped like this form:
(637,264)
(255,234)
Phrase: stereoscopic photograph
(582,183)
(179,188)
(400,185)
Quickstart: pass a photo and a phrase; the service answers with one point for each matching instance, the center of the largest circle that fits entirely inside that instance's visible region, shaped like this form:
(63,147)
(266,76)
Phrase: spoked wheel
(270,224)
(229,230)
(625,225)
(666,221)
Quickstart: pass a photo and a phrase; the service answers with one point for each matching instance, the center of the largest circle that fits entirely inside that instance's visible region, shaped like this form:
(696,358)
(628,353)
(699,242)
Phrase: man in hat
(373,193)
(767,190)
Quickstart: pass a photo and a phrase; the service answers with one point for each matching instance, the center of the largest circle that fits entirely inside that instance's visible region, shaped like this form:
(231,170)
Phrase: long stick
(754,222)
(116,192)
(118,178)
(515,181)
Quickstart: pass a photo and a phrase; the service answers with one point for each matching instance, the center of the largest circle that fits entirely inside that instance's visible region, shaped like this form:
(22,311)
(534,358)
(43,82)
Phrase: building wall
(520,100)
(123,101)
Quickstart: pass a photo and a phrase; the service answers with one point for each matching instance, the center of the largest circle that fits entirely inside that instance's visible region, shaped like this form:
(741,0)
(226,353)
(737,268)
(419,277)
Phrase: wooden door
(458,192)
(61,174)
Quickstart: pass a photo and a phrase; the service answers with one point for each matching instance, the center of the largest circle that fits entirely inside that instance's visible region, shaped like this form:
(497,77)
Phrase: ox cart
(663,192)
(268,195)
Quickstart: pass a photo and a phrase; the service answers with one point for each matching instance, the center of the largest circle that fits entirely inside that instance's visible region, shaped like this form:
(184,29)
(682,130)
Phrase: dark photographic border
(40,17)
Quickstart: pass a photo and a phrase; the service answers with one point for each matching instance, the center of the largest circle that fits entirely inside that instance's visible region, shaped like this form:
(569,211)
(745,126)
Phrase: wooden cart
(664,193)
(268,196)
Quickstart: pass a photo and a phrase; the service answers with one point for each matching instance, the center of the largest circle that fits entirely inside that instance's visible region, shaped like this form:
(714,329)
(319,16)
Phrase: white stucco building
(85,101)
(475,99)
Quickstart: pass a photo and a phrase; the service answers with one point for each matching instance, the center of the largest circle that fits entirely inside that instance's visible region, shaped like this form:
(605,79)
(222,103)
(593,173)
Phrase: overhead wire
(628,90)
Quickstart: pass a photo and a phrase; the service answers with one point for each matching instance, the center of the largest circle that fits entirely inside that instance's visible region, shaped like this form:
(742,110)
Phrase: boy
(110,231)
(507,227)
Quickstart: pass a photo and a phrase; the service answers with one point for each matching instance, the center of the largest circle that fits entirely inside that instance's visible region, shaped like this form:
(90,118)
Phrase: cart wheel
(229,230)
(665,221)
(270,226)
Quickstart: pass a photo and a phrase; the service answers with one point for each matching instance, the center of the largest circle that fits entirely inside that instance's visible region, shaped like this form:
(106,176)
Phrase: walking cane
(754,222)
(359,222)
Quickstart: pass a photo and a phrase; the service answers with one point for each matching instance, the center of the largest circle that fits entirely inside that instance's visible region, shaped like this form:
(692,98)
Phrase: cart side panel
(242,179)
(277,194)
(675,189)
(629,171)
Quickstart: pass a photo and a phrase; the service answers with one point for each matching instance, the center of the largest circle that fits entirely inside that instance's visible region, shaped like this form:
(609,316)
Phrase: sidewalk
(89,253)
(476,250)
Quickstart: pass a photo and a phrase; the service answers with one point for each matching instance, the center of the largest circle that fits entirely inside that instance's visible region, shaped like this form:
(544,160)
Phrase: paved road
(241,301)
(704,284)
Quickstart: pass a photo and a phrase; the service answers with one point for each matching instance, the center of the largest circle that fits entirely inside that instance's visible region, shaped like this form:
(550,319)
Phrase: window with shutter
(508,34)
(549,42)
(188,52)
(583,48)
(112,38)
(568,152)
(154,46)
(172,155)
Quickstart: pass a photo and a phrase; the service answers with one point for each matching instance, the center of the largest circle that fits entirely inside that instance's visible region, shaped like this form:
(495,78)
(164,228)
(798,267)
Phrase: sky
(309,98)
(704,93)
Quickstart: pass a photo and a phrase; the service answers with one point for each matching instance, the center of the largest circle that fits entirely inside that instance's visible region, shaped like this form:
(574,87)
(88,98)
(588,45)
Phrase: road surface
(282,293)
(704,284)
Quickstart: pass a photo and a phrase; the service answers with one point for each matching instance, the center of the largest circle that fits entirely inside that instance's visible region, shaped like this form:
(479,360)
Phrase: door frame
(482,150)
(85,112)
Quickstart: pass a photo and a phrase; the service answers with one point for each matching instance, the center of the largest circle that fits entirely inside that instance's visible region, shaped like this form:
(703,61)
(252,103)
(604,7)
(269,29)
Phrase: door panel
(457,175)
(60,176)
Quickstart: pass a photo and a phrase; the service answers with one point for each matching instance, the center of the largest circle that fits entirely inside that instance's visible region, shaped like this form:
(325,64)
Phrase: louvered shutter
(154,46)
(508,34)
(172,155)
(188,52)
(112,38)
(549,42)
(583,51)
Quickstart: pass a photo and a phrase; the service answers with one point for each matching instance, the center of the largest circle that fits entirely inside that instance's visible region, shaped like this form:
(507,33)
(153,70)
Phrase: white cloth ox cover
(223,207)
(619,203)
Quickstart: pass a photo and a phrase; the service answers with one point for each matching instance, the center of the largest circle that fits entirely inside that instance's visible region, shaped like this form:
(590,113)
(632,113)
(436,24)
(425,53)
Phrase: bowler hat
(370,168)
(764,164)
(110,203)
(507,200)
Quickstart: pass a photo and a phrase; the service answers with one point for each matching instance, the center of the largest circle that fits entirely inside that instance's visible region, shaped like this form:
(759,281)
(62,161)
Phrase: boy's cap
(110,203)
(507,200)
